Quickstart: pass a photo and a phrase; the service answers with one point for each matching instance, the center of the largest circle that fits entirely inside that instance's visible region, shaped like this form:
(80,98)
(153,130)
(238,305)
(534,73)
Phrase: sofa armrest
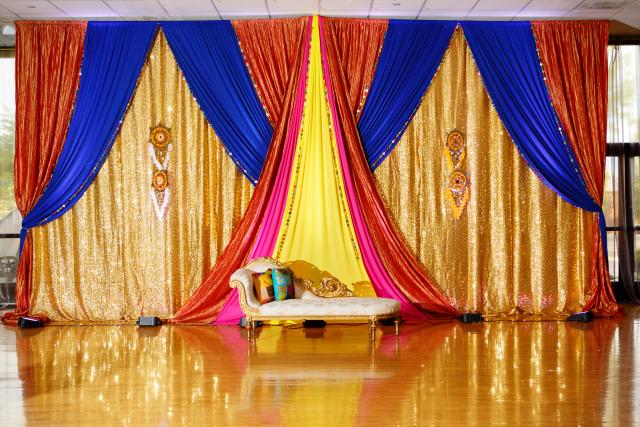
(243,281)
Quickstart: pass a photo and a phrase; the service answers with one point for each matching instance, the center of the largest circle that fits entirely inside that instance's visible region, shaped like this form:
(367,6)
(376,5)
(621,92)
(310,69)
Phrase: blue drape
(208,54)
(508,61)
(410,57)
(114,53)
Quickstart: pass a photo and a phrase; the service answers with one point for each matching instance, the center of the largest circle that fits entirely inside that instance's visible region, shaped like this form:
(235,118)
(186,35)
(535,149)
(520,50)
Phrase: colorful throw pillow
(282,284)
(263,287)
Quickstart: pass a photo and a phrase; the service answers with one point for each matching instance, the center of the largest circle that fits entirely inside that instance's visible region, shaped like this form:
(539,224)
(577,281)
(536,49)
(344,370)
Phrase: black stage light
(583,316)
(471,318)
(314,324)
(29,322)
(149,321)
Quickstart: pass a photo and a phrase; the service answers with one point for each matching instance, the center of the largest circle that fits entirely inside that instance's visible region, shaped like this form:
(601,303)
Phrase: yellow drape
(316,230)
(110,257)
(517,247)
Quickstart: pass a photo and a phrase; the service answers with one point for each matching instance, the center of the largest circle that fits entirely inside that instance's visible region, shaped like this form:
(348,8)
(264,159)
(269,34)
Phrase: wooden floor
(501,373)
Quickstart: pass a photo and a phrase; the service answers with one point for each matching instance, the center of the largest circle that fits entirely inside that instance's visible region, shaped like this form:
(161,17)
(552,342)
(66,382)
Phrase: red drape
(574,58)
(393,251)
(270,50)
(357,44)
(48,58)
(207,301)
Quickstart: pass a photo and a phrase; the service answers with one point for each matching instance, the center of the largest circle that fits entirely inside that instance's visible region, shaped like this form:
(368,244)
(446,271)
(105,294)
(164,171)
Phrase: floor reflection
(448,374)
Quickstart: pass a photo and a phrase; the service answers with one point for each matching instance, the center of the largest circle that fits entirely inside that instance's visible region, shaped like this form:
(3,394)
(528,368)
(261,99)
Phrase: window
(9,217)
(622,174)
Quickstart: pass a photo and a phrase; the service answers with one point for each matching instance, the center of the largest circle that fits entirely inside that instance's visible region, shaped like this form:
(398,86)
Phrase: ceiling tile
(293,7)
(499,5)
(241,7)
(630,12)
(85,9)
(352,7)
(553,4)
(443,14)
(44,16)
(396,8)
(6,14)
(492,14)
(137,8)
(193,8)
(448,5)
(29,6)
(590,14)
(541,13)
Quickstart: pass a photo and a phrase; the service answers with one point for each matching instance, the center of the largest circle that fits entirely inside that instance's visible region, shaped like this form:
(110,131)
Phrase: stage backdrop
(452,177)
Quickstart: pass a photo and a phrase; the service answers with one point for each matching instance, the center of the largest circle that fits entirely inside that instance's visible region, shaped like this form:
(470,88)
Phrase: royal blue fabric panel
(410,57)
(114,53)
(507,58)
(209,56)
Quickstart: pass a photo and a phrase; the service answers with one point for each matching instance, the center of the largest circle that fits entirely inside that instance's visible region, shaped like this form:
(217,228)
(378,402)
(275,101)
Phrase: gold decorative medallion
(160,181)
(455,149)
(160,152)
(160,136)
(458,185)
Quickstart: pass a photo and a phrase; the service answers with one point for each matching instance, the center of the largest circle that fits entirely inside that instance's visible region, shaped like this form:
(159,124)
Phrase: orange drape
(206,302)
(357,43)
(269,48)
(401,264)
(48,58)
(574,58)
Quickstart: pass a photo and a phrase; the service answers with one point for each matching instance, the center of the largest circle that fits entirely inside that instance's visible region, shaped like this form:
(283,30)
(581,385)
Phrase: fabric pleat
(269,48)
(398,263)
(205,304)
(111,258)
(518,250)
(574,58)
(358,43)
(48,58)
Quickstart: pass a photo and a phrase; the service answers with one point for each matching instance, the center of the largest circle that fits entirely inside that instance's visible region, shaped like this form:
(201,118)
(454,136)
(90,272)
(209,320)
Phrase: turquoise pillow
(282,284)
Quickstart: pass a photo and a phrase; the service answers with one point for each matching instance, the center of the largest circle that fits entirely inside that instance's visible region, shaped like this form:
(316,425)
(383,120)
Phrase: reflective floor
(501,373)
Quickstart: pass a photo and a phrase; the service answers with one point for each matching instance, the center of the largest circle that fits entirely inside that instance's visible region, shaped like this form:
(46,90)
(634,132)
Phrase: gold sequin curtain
(110,257)
(517,248)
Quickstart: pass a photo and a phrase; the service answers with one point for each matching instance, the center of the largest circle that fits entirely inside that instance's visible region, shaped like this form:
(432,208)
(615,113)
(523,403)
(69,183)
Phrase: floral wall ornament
(160,153)
(458,183)
(456,149)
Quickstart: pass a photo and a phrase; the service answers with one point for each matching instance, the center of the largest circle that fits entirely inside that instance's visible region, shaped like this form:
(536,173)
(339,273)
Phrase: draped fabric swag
(48,57)
(270,50)
(110,257)
(370,94)
(410,57)
(358,43)
(208,55)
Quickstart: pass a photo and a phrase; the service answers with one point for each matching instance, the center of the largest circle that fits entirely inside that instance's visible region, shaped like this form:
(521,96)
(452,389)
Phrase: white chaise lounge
(329,300)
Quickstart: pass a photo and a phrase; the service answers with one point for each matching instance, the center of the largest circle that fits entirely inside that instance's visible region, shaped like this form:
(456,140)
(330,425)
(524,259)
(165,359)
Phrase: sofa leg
(396,322)
(252,330)
(372,328)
